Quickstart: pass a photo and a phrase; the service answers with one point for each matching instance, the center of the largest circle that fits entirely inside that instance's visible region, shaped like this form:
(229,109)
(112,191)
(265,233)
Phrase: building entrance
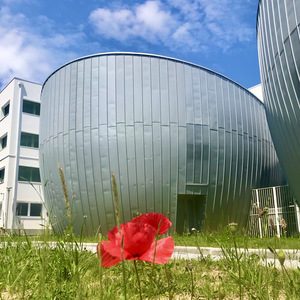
(190,212)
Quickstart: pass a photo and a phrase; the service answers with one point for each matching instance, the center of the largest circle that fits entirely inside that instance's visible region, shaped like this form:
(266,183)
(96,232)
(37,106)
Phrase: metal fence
(273,211)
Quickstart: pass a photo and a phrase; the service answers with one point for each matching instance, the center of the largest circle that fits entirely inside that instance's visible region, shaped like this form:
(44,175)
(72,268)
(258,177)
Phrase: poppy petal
(160,222)
(160,251)
(115,235)
(107,260)
(138,238)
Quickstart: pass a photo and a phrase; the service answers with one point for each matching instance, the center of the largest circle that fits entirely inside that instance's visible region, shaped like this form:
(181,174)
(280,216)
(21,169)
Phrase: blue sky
(37,36)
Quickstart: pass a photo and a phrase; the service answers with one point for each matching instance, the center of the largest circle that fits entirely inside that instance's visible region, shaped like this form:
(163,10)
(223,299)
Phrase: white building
(257,91)
(21,201)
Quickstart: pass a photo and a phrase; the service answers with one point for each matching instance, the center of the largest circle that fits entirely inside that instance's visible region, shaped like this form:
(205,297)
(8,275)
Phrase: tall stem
(239,266)
(138,279)
(116,203)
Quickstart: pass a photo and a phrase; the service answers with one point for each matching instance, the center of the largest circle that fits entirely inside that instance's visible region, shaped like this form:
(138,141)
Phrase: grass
(215,239)
(205,239)
(69,272)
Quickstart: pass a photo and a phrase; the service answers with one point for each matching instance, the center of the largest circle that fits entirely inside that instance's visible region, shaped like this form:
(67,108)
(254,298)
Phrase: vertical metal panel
(128,82)
(94,93)
(181,94)
(103,81)
(60,113)
(157,166)
(138,88)
(87,110)
(140,166)
(146,87)
(155,92)
(149,175)
(120,92)
(279,57)
(66,100)
(129,157)
(126,180)
(164,92)
(166,167)
(163,127)
(173,108)
(174,170)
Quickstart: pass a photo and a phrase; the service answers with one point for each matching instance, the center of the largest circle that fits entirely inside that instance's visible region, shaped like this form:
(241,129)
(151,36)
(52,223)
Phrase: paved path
(267,258)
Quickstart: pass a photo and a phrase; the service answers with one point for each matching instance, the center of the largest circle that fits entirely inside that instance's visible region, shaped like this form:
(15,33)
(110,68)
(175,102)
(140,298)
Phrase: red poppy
(136,240)
(160,222)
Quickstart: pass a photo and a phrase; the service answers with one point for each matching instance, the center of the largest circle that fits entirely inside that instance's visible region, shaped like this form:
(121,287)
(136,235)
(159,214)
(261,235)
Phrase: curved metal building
(181,140)
(278,36)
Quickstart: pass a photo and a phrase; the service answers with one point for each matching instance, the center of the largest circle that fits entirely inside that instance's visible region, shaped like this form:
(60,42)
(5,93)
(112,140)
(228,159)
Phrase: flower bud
(232,227)
(281,257)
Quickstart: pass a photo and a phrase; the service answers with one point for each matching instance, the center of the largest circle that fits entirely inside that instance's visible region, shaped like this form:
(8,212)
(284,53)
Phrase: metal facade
(164,127)
(279,55)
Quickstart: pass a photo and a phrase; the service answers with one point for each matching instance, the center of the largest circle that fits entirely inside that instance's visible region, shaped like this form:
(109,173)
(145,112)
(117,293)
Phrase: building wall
(14,155)
(278,36)
(163,127)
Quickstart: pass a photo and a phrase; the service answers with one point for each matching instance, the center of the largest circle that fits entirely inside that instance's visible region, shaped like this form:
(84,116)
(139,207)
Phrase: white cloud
(147,21)
(25,52)
(190,25)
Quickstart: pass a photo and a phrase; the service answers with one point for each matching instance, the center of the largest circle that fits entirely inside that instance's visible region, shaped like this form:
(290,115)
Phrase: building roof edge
(150,55)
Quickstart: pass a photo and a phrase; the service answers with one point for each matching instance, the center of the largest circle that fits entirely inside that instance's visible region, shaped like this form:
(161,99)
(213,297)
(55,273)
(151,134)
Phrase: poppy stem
(138,279)
(101,268)
(116,200)
(123,269)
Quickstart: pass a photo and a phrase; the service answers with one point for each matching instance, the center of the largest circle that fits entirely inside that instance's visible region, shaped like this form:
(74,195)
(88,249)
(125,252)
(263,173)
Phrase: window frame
(4,136)
(30,170)
(32,141)
(28,211)
(22,203)
(3,114)
(37,107)
(2,179)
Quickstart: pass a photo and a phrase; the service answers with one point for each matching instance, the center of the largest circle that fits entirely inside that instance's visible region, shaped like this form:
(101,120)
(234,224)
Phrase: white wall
(11,157)
(257,91)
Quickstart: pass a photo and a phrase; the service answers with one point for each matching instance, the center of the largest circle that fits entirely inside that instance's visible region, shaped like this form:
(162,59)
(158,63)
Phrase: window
(29,140)
(2,174)
(29,209)
(3,142)
(31,107)
(5,110)
(35,209)
(22,209)
(29,174)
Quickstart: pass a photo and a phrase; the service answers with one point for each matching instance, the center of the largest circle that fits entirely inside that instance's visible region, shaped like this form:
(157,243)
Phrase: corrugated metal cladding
(279,57)
(163,127)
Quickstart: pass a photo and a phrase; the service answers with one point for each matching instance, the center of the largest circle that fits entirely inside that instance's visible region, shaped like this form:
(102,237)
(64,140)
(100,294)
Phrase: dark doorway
(190,213)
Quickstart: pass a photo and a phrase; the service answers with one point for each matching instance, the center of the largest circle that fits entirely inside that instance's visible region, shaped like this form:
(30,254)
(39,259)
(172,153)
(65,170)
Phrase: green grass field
(69,272)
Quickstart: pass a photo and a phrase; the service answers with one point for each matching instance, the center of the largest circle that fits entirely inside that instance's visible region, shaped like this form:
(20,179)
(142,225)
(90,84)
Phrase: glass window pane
(35,210)
(31,107)
(5,110)
(3,142)
(22,209)
(29,140)
(2,173)
(29,174)
(35,175)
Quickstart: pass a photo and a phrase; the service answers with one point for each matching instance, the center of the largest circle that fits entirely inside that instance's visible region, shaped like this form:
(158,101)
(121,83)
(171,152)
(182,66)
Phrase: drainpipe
(7,206)
(17,152)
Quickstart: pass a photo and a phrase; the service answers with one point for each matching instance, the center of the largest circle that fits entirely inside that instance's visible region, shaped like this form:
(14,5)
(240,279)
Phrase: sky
(38,36)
